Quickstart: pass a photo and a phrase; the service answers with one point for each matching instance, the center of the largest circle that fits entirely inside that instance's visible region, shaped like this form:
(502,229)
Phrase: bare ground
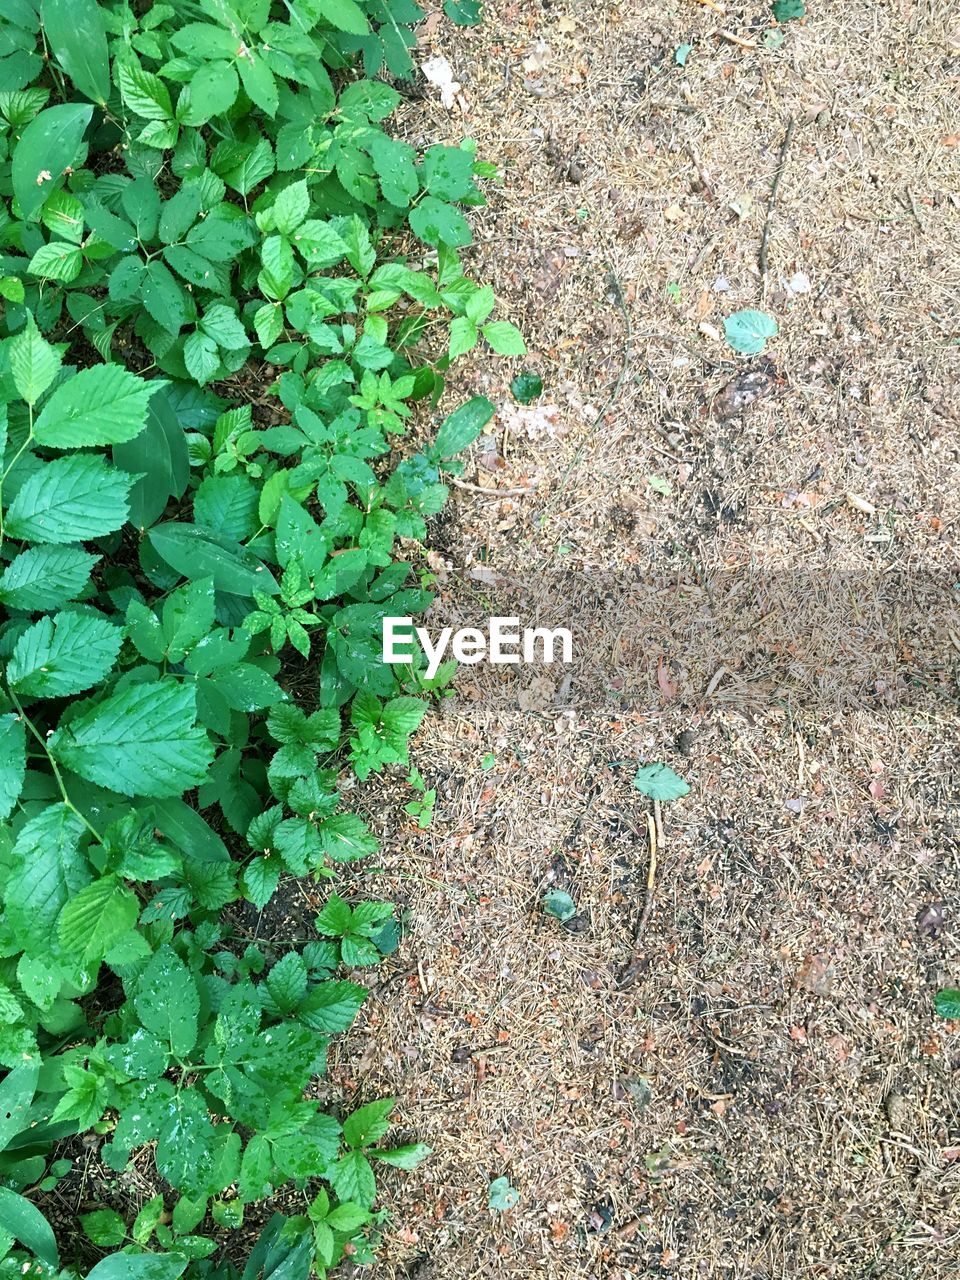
(755,1086)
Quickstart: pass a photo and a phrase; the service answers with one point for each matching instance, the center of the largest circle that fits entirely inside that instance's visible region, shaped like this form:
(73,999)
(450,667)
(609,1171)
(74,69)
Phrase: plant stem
(53,765)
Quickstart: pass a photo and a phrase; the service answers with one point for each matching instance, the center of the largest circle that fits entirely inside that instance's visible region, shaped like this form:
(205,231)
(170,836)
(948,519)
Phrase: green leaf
(437,222)
(787,10)
(179,213)
(659,782)
(188,615)
(526,387)
(505,338)
(345,15)
(395,169)
(137,742)
(34,363)
(197,553)
(332,1006)
(45,577)
(352,1178)
(748,331)
(463,336)
(258,81)
(502,1197)
(222,325)
(63,655)
(369,1123)
(346,838)
(947,1002)
(57,261)
(46,869)
(145,1266)
(163,297)
(27,1224)
(287,982)
(407,1157)
(559,904)
(16,1093)
(13,762)
(144,93)
(70,499)
(201,356)
(211,90)
(159,455)
(97,918)
(104,1227)
(167,1001)
(102,405)
(76,34)
(251,166)
(463,426)
(465,13)
(291,207)
(48,146)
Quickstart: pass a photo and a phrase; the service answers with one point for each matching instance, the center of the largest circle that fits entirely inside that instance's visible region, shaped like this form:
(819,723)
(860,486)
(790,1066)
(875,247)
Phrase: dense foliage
(193,585)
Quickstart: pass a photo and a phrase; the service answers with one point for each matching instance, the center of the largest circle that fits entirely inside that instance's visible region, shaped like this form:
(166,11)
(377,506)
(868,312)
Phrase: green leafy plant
(422,806)
(659,782)
(748,331)
(225,290)
(559,904)
(947,1002)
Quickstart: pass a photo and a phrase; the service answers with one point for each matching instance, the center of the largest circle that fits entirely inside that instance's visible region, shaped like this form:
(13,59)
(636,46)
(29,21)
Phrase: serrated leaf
(437,222)
(201,356)
(102,405)
(34,363)
(45,577)
(352,1178)
(144,93)
(163,297)
(748,331)
(258,80)
(46,869)
(505,338)
(526,387)
(104,1227)
(222,325)
(407,1157)
(210,91)
(13,762)
(659,782)
(291,207)
(345,15)
(57,261)
(368,1123)
(332,1006)
(167,1001)
(68,500)
(63,655)
(137,742)
(97,918)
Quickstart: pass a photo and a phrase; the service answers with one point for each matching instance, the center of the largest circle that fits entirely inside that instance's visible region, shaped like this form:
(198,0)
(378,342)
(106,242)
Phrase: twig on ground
(488,493)
(774,185)
(654,841)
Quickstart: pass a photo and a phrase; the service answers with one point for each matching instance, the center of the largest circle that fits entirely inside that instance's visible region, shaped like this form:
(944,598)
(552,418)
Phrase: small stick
(488,493)
(739,41)
(781,163)
(629,972)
